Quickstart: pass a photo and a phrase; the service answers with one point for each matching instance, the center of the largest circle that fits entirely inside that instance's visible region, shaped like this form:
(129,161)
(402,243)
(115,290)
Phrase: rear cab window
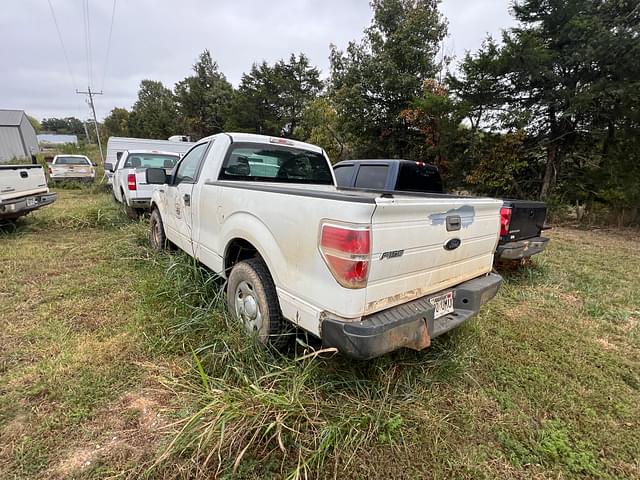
(419,177)
(150,160)
(275,163)
(71,161)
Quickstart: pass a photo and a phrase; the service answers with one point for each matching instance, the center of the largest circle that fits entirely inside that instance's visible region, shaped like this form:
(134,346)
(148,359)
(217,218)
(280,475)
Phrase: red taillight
(131,181)
(50,171)
(347,252)
(505,220)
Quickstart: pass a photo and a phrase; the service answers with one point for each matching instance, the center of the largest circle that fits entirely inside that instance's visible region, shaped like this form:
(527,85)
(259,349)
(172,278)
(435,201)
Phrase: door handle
(187,199)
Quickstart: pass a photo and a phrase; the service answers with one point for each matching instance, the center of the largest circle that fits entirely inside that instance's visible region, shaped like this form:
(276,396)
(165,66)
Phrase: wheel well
(238,250)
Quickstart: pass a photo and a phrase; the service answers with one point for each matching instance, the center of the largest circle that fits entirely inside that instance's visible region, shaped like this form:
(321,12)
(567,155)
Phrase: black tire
(272,329)
(131,212)
(157,237)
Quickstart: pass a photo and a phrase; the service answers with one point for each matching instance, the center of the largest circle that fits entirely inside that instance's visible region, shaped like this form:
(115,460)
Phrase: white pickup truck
(129,182)
(366,272)
(23,188)
(72,167)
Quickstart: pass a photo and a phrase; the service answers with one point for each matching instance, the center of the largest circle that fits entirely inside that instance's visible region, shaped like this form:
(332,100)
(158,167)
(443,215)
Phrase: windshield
(275,163)
(71,161)
(150,160)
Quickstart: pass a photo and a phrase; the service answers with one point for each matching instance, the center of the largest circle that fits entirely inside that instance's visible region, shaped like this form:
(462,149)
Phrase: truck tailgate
(71,171)
(21,180)
(412,255)
(527,219)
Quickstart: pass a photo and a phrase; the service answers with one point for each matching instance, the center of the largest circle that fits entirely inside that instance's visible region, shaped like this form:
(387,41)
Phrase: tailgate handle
(24,174)
(453,223)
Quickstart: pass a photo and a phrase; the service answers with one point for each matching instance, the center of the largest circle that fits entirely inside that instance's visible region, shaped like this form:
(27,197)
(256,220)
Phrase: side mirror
(94,164)
(107,166)
(156,176)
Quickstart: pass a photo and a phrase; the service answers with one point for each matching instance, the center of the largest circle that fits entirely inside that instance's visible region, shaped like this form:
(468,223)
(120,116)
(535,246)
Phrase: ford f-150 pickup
(522,221)
(129,179)
(365,272)
(23,188)
(72,167)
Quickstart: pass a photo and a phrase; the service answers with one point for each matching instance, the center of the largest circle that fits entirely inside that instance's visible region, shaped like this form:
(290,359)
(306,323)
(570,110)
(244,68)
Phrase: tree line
(550,110)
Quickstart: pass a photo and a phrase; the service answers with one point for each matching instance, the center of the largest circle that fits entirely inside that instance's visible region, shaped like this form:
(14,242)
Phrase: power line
(64,50)
(89,44)
(106,58)
(87,39)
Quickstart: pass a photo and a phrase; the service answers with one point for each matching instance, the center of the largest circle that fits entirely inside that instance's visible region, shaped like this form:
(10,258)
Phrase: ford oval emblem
(452,244)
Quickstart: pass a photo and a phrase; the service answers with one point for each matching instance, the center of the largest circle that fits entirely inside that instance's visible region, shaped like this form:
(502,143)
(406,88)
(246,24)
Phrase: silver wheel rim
(247,307)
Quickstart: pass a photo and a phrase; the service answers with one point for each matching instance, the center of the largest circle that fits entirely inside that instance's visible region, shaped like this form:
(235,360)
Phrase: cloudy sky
(160,40)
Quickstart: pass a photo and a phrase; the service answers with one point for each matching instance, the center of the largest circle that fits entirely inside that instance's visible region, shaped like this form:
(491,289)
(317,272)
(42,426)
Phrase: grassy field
(116,362)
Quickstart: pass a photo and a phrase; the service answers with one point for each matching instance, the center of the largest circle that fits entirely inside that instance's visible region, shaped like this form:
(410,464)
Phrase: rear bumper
(140,202)
(21,206)
(521,249)
(71,178)
(410,325)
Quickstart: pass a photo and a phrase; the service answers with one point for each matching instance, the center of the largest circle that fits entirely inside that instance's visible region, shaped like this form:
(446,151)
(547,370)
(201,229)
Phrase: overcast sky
(161,39)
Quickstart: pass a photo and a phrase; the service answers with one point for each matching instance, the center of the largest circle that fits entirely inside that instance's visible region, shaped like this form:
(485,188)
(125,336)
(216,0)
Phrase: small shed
(17,136)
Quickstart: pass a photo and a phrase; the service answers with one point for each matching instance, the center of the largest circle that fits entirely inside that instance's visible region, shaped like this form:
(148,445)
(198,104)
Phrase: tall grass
(294,414)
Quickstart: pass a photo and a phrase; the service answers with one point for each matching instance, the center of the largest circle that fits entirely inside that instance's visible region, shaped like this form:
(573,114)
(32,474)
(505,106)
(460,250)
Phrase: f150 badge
(391,254)
(452,244)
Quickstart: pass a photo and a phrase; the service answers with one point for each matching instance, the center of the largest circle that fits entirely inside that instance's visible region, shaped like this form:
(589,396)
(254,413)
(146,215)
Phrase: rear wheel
(157,237)
(131,212)
(252,300)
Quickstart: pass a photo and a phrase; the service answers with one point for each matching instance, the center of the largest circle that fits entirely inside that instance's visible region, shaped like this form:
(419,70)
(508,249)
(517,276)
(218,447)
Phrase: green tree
(272,99)
(37,126)
(68,125)
(154,115)
(203,99)
(116,123)
(567,75)
(319,125)
(374,80)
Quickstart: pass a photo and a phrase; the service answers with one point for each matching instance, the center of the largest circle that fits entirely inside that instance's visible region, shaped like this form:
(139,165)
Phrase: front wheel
(252,300)
(157,237)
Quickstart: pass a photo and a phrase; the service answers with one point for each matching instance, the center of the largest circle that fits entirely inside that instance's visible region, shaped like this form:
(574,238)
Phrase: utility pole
(95,120)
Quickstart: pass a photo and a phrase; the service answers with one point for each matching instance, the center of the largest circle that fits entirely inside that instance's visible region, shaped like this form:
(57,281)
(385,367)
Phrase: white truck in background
(129,182)
(116,146)
(23,188)
(76,168)
(366,272)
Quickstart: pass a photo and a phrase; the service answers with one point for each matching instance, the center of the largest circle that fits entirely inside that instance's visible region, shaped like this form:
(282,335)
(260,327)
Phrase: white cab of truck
(72,168)
(129,180)
(23,188)
(366,272)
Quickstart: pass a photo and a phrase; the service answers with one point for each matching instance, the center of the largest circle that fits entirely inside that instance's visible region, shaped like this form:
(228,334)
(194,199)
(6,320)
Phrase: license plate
(443,304)
(31,202)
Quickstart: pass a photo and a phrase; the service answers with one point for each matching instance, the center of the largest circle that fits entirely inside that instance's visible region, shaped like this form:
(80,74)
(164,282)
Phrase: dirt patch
(127,434)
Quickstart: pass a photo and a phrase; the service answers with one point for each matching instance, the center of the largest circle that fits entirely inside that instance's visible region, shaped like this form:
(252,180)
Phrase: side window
(372,176)
(343,175)
(188,168)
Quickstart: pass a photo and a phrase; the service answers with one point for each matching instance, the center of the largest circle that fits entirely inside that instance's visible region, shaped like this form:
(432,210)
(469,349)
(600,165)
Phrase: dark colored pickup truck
(521,222)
